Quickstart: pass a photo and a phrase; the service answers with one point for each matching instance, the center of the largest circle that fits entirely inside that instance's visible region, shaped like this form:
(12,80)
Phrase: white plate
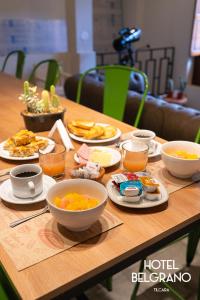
(5,153)
(96,141)
(143,203)
(116,156)
(7,195)
(154,153)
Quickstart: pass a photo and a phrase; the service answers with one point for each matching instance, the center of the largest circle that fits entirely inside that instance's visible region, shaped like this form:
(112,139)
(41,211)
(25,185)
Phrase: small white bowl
(77,220)
(179,167)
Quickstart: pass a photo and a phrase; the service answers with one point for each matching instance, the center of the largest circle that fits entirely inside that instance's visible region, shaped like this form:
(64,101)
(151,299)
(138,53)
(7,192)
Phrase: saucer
(7,195)
(152,153)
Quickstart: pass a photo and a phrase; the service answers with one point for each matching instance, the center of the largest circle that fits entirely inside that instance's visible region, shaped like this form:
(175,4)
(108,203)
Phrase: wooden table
(143,231)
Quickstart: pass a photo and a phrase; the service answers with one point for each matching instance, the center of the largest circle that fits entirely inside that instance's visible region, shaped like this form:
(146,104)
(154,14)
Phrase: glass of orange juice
(134,156)
(53,163)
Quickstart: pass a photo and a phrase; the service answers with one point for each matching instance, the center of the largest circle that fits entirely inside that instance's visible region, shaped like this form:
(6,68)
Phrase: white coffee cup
(25,183)
(144,136)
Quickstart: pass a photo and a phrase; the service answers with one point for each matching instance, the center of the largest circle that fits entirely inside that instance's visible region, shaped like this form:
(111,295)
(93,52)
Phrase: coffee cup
(144,136)
(26,181)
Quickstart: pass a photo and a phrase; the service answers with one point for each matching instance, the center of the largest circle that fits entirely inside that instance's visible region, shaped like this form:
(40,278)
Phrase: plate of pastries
(24,145)
(91,132)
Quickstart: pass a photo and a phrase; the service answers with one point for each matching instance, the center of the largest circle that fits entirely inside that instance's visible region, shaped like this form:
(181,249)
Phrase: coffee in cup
(144,136)
(26,180)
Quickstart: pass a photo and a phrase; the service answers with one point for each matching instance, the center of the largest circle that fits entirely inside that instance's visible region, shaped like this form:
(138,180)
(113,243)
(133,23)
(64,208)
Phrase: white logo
(155,277)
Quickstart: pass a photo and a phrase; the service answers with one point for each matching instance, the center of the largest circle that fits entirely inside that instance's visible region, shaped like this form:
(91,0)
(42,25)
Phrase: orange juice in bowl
(134,156)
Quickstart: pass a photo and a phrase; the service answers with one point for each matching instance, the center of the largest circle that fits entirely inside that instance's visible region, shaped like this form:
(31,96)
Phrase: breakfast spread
(90,130)
(182,154)
(24,143)
(75,201)
(135,186)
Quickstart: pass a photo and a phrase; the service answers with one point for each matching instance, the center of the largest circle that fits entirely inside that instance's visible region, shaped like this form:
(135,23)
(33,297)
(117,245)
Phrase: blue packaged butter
(131,188)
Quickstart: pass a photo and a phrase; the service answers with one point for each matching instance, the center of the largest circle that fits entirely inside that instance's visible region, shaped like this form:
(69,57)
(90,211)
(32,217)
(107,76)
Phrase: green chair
(52,75)
(117,79)
(194,236)
(193,240)
(7,290)
(20,62)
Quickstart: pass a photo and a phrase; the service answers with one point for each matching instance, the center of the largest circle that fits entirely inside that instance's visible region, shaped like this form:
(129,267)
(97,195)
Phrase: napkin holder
(60,134)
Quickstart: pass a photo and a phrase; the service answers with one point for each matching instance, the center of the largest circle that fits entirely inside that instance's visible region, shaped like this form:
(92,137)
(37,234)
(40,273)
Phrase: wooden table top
(67,269)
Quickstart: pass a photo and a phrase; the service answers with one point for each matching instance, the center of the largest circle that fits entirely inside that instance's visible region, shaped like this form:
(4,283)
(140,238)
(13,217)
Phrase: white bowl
(77,220)
(179,167)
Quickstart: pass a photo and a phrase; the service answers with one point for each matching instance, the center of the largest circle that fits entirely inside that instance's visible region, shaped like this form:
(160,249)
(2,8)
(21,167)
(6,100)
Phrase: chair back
(20,62)
(197,139)
(116,85)
(52,74)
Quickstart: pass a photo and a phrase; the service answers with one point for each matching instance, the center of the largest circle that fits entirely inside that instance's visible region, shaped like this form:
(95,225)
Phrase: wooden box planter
(41,122)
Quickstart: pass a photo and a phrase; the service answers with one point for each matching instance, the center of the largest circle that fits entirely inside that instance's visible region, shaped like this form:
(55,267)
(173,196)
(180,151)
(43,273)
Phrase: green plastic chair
(20,62)
(52,75)
(117,79)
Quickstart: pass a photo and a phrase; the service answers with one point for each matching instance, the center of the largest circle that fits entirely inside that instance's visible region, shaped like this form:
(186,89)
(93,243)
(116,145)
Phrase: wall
(78,16)
(165,23)
(45,9)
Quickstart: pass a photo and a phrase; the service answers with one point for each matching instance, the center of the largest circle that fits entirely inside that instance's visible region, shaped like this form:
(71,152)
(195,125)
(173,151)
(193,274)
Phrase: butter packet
(131,188)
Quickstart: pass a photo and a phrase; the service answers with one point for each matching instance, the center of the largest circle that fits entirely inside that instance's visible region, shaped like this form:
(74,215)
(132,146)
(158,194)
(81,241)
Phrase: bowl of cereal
(77,203)
(181,158)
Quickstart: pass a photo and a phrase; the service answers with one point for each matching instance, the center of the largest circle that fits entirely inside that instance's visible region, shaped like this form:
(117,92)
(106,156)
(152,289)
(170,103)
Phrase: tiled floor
(122,285)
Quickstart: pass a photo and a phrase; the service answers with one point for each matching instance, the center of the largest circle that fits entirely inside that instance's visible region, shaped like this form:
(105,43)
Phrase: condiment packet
(131,188)
(119,178)
(92,166)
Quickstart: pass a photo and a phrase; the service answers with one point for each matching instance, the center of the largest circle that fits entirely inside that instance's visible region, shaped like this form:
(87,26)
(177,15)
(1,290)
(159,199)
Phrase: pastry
(109,132)
(21,151)
(94,132)
(83,124)
(76,130)
(24,143)
(23,137)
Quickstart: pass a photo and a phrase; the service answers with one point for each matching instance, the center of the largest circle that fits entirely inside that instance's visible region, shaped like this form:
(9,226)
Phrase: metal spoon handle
(22,220)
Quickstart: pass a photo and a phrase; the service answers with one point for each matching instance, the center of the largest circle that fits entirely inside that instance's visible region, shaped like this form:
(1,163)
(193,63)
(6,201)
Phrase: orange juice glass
(53,163)
(134,156)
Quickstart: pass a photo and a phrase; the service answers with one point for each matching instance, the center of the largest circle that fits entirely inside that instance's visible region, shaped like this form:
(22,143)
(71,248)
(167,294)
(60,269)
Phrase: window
(195,45)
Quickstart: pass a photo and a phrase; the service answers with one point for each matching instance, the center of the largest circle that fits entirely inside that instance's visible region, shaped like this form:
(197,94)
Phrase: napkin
(59,128)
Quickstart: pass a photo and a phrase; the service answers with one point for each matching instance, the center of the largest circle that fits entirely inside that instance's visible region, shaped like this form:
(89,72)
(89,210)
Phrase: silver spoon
(22,220)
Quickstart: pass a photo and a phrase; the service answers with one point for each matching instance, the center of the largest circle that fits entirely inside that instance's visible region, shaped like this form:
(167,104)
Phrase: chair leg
(108,284)
(136,287)
(6,287)
(198,289)
(3,294)
(193,240)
